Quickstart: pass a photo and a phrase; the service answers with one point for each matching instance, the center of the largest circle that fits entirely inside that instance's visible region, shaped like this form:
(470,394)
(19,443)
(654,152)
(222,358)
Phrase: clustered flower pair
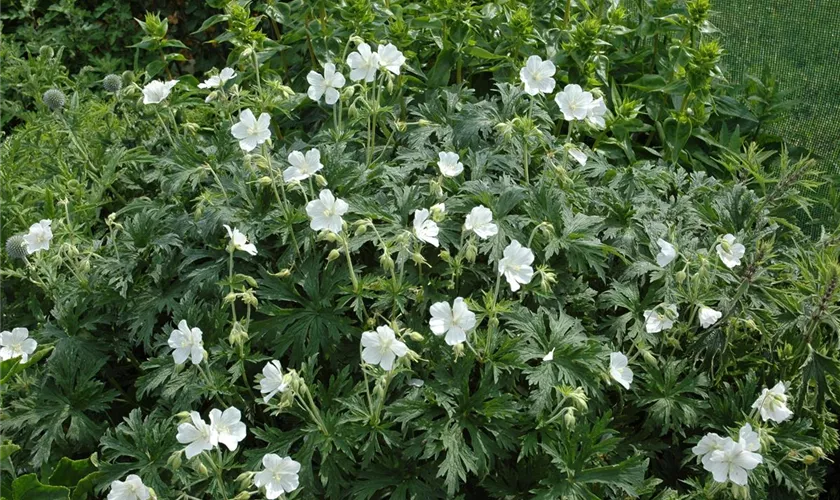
(225,427)
(731,460)
(575,103)
(363,65)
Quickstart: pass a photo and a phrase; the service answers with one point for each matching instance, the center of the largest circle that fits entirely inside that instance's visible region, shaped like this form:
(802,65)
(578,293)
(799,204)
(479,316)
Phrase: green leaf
(28,487)
(8,450)
(69,472)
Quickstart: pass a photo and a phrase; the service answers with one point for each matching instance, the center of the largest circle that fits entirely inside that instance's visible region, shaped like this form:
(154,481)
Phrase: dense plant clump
(414,250)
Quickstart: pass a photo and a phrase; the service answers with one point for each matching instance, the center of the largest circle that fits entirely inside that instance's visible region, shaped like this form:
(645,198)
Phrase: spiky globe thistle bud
(16,247)
(54,99)
(112,83)
(46,52)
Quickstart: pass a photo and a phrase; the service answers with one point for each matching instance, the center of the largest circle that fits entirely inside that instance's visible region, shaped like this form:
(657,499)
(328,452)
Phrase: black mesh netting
(799,43)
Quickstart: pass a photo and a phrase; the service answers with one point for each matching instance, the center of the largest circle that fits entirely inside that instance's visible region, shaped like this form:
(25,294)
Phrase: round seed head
(16,247)
(112,83)
(54,99)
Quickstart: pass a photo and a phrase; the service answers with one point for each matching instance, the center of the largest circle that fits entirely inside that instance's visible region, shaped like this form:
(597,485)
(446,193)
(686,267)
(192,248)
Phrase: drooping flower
(325,85)
(303,166)
(240,241)
(595,116)
(450,164)
(218,81)
(549,357)
(772,404)
(574,102)
(480,221)
(156,91)
(228,427)
(538,76)
(454,321)
(619,370)
(363,63)
(515,265)
(707,445)
(198,436)
(667,253)
(326,212)
(382,347)
(250,131)
(390,58)
(416,382)
(130,489)
(730,253)
(17,344)
(732,462)
(187,343)
(708,316)
(279,475)
(425,228)
(39,236)
(656,321)
(273,380)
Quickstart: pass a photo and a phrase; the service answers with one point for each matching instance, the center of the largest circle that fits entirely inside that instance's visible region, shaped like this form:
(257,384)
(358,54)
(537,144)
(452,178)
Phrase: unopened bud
(202,469)
(681,276)
(423,122)
(445,256)
(183,416)
(818,452)
(329,236)
(648,357)
(386,262)
(569,419)
(415,336)
(320,180)
(334,254)
(242,496)
(361,230)
(808,459)
(438,212)
(471,252)
(458,349)
(175,460)
(418,259)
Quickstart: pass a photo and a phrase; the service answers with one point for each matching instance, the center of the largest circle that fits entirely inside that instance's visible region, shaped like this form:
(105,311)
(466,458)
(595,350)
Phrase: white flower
(538,76)
(279,475)
(749,438)
(480,221)
(390,58)
(619,370)
(130,489)
(710,443)
(730,253)
(39,236)
(303,166)
(382,347)
(732,462)
(450,164)
(326,212)
(516,265)
(772,404)
(363,63)
(425,228)
(549,357)
(17,344)
(227,426)
(198,436)
(273,380)
(156,91)
(574,102)
(708,316)
(218,81)
(240,241)
(325,85)
(578,155)
(667,253)
(597,110)
(656,322)
(187,343)
(454,321)
(250,131)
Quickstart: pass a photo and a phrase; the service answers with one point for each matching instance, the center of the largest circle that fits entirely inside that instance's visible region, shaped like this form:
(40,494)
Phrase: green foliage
(138,195)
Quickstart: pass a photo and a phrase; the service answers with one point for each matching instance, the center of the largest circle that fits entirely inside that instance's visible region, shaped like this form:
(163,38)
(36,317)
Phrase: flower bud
(320,180)
(16,247)
(329,236)
(415,336)
(445,256)
(184,416)
(54,99)
(808,459)
(569,419)
(245,480)
(386,262)
(680,276)
(436,189)
(334,254)
(401,125)
(423,122)
(438,212)
(493,322)
(46,52)
(242,496)
(284,273)
(112,83)
(370,323)
(471,252)
(648,357)
(361,230)
(818,452)
(191,127)
(230,298)
(174,460)
(202,469)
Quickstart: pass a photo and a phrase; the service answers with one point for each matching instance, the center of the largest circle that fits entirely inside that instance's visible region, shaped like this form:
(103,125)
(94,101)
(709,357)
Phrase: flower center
(385,346)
